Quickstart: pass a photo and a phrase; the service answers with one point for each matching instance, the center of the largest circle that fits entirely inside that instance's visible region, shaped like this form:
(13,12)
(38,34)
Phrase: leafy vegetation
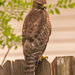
(15,9)
(60,4)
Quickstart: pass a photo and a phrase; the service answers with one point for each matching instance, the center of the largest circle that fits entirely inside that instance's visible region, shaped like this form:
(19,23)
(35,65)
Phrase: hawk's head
(39,4)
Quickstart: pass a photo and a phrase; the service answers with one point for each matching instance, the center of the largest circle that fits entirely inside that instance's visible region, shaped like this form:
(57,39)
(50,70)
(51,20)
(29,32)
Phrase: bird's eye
(40,4)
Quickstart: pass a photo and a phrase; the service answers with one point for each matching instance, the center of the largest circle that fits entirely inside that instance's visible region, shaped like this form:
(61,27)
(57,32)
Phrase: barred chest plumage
(47,25)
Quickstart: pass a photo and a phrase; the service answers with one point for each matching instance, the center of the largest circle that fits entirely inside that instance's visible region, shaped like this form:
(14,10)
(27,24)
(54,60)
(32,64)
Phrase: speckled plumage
(35,35)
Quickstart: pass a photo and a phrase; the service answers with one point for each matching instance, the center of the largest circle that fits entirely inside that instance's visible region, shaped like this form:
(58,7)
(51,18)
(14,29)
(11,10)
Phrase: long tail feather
(30,65)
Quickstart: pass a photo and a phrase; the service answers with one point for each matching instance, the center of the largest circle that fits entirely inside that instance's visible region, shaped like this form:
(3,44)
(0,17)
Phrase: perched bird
(35,35)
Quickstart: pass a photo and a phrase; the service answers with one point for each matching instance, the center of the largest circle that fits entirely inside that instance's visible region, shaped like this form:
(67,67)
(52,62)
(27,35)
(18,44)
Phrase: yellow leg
(43,57)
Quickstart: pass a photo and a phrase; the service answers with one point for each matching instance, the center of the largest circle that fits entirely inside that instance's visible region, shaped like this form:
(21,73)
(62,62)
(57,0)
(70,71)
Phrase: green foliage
(51,12)
(15,9)
(64,6)
(60,4)
(57,11)
(2,2)
(65,1)
(50,6)
(7,36)
(70,1)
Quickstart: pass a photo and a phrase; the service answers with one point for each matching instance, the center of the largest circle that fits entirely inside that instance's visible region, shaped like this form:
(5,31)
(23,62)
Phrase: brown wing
(36,32)
(31,26)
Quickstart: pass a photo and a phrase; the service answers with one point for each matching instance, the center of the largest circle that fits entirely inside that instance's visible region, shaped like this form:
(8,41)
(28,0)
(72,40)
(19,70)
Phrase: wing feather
(31,26)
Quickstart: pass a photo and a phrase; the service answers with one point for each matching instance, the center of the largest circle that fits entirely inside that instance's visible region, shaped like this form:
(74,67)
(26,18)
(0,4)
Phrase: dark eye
(40,4)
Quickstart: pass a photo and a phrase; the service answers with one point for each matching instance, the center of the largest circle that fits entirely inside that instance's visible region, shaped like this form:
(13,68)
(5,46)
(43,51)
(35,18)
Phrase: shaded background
(62,39)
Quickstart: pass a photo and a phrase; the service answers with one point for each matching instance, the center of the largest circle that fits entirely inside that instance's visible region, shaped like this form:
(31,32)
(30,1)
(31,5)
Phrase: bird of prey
(35,35)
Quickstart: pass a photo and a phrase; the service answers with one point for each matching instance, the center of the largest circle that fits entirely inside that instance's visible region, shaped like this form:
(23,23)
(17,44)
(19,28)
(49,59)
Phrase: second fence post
(63,65)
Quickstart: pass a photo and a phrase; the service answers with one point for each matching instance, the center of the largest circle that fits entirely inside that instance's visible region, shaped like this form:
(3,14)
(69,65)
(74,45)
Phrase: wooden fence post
(63,65)
(74,66)
(2,70)
(60,66)
(17,67)
(7,66)
(43,68)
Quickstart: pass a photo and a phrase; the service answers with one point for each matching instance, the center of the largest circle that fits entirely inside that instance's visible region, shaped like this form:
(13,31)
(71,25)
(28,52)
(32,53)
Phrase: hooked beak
(44,6)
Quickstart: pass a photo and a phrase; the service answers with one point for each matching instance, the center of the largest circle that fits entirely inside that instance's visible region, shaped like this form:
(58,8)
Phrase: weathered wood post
(7,67)
(2,70)
(63,65)
(73,66)
(43,68)
(60,66)
(17,67)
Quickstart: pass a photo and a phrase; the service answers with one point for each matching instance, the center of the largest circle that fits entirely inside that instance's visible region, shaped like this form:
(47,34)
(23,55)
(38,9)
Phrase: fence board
(7,67)
(43,68)
(17,67)
(2,70)
(62,66)
(73,66)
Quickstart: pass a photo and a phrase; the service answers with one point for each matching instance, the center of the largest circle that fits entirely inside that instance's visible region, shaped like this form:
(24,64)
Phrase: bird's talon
(43,57)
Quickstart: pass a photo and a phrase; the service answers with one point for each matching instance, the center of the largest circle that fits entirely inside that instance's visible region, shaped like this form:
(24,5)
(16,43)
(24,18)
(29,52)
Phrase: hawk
(35,35)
